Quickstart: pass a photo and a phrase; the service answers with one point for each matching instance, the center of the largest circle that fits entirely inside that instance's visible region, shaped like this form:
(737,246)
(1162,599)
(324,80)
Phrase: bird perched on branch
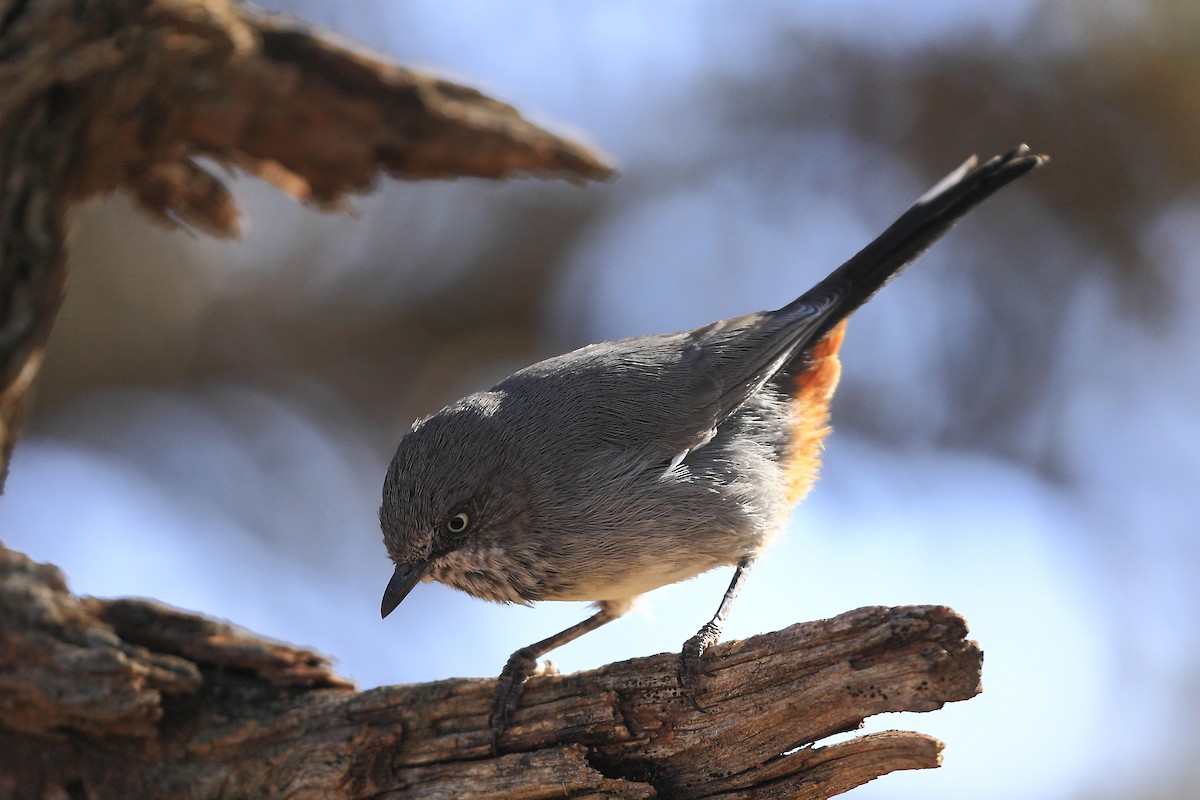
(625,466)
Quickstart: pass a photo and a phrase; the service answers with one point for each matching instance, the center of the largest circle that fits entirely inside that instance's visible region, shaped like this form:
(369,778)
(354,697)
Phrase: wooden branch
(101,95)
(160,702)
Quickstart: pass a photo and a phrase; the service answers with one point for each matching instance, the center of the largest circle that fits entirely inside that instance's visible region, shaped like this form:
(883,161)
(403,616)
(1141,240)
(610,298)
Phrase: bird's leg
(523,664)
(690,658)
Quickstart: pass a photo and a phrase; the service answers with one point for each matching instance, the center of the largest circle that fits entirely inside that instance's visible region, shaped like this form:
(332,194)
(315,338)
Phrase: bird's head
(449,496)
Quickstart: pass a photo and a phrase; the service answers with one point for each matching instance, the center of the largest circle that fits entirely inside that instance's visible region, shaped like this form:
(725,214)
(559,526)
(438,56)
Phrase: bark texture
(128,698)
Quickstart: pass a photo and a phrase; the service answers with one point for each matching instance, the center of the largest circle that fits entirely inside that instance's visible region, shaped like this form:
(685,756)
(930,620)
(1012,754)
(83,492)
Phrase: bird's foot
(691,661)
(521,666)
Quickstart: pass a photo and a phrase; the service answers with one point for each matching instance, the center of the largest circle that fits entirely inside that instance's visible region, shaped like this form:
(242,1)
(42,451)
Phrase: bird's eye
(458,523)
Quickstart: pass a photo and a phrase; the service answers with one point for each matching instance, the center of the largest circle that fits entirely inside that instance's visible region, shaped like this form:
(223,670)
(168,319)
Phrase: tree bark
(128,698)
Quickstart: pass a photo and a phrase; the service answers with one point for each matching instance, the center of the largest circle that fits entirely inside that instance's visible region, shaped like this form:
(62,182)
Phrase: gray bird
(625,466)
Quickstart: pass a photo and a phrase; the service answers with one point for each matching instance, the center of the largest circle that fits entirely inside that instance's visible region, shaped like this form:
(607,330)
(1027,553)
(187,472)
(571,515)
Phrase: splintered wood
(133,699)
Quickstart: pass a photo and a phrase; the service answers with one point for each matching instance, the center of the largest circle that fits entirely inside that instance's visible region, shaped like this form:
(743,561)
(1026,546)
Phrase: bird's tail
(934,213)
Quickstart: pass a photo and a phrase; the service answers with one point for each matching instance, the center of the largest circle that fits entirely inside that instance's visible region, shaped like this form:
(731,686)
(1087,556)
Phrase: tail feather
(786,341)
(934,213)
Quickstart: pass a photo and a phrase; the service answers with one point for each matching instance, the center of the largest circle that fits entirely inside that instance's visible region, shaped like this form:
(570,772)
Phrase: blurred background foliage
(1017,431)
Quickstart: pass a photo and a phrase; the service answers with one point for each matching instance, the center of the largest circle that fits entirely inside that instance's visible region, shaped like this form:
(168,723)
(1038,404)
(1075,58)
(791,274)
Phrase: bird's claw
(509,687)
(691,662)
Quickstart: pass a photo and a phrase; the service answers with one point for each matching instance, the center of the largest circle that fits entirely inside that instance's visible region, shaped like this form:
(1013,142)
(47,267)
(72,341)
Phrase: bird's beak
(405,578)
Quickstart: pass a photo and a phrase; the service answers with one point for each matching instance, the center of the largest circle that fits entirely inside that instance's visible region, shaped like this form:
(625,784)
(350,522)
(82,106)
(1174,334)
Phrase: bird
(623,466)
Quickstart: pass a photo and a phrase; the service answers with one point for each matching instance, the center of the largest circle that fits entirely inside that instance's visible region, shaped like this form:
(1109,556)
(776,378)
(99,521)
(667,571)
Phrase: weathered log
(127,698)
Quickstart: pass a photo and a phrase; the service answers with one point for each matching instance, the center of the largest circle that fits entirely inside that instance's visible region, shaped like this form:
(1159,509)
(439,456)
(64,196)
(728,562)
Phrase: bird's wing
(666,395)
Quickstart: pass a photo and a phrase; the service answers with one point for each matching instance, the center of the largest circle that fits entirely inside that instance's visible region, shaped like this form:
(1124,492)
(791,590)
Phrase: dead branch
(105,95)
(127,698)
